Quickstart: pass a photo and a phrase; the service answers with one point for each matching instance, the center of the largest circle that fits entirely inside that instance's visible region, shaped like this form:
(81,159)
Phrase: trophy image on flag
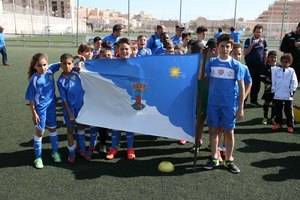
(139,89)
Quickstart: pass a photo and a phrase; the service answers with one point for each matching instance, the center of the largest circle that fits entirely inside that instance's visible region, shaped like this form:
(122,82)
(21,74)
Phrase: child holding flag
(71,93)
(124,51)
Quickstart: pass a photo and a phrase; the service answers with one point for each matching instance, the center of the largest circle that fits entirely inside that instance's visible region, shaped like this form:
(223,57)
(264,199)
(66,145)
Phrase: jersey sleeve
(61,89)
(30,92)
(247,78)
(247,43)
(150,42)
(208,68)
(239,72)
(54,67)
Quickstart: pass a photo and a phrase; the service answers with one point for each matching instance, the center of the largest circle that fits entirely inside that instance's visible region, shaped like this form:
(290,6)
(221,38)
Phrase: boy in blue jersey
(154,42)
(237,54)
(2,47)
(142,49)
(114,37)
(177,39)
(224,96)
(235,35)
(41,95)
(71,93)
(124,53)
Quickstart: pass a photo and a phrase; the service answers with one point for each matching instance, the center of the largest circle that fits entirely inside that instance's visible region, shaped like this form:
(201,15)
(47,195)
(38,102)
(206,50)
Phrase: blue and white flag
(153,95)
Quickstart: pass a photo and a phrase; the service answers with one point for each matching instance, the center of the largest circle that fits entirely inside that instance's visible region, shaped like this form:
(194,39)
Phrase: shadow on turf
(290,165)
(289,168)
(120,167)
(256,146)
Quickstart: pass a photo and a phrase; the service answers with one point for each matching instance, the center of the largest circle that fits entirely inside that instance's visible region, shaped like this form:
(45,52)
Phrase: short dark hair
(232,29)
(97,38)
(201,29)
(185,34)
(83,47)
(272,53)
(298,24)
(141,36)
(195,46)
(179,27)
(258,26)
(287,56)
(237,46)
(211,43)
(225,38)
(65,56)
(123,41)
(117,27)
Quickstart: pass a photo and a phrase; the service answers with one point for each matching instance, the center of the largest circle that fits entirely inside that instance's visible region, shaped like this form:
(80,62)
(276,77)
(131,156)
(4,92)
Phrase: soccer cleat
(265,121)
(92,150)
(85,155)
(111,153)
(276,127)
(71,158)
(212,163)
(56,157)
(38,163)
(130,154)
(290,130)
(102,148)
(232,167)
(182,142)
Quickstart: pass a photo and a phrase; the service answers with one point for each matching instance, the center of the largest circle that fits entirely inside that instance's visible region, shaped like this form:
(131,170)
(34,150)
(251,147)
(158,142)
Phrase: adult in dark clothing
(255,49)
(291,44)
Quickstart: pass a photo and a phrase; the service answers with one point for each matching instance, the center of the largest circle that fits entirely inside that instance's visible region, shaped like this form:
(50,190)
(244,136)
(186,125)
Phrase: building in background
(57,8)
(277,13)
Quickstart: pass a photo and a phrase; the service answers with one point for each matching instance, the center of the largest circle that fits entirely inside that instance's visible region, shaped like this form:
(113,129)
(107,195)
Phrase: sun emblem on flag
(175,72)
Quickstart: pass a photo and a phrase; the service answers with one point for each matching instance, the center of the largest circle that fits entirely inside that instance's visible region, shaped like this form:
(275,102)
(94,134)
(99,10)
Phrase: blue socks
(81,140)
(37,145)
(115,138)
(93,138)
(54,141)
(130,139)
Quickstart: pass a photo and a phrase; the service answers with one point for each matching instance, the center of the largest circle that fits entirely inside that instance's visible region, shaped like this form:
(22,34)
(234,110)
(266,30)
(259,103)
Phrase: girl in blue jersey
(71,93)
(41,96)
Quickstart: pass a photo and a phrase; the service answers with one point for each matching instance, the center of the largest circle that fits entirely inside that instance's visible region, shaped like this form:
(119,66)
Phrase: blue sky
(169,9)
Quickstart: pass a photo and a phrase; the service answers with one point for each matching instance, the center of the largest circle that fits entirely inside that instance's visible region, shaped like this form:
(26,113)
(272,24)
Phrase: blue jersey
(218,34)
(70,90)
(222,75)
(154,43)
(246,74)
(2,41)
(41,88)
(236,36)
(144,52)
(111,39)
(176,40)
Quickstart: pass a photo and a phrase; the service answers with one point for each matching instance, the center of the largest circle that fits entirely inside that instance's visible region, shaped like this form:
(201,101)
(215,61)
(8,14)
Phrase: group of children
(219,69)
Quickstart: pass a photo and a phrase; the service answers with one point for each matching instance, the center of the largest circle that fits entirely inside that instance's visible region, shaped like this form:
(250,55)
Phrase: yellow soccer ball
(297,114)
(166,167)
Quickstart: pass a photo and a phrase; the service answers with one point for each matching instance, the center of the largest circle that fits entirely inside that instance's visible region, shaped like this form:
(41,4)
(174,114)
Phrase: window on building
(54,8)
(62,6)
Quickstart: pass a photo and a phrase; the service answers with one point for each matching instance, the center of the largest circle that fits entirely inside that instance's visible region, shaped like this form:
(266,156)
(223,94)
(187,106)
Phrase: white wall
(27,24)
